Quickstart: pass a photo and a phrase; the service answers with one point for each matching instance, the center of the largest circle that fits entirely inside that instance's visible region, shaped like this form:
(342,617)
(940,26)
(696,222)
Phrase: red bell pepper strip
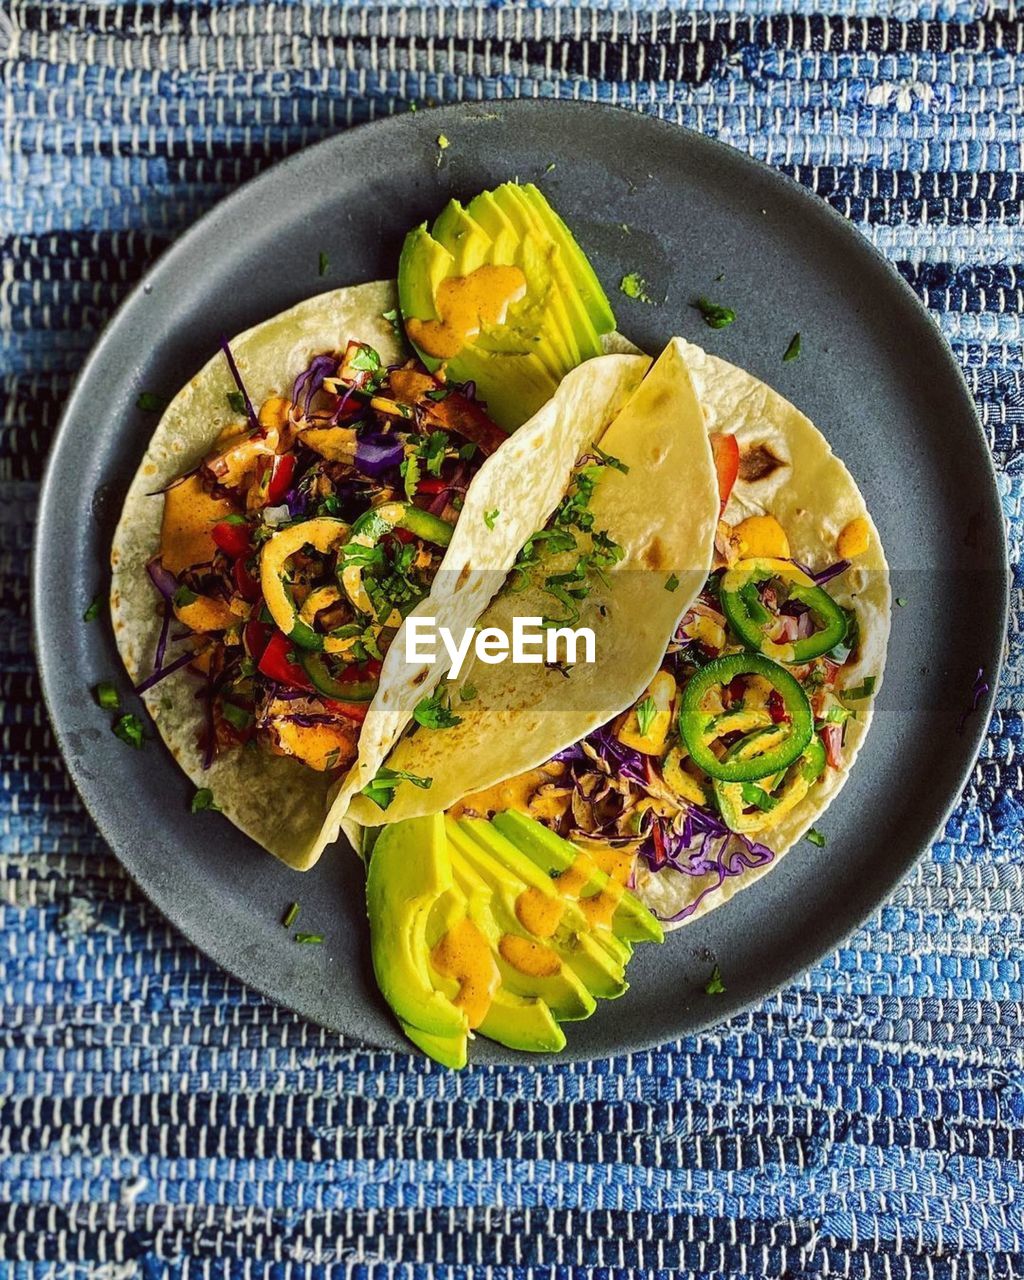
(245,584)
(276,665)
(282,470)
(233,539)
(726,451)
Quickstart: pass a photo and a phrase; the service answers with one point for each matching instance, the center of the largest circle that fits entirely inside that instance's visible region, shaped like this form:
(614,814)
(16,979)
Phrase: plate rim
(816,207)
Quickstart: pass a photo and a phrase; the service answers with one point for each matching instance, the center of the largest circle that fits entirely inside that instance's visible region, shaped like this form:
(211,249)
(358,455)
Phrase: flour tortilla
(787,470)
(813,496)
(662,511)
(286,807)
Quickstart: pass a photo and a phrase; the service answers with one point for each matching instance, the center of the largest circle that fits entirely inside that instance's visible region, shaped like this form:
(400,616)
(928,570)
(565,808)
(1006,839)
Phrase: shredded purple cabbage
(311,380)
(377,453)
(162,672)
(825,575)
(720,852)
(250,412)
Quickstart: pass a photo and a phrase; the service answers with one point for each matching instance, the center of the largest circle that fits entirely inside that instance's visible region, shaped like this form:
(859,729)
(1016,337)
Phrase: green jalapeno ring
(748,616)
(775,797)
(695,725)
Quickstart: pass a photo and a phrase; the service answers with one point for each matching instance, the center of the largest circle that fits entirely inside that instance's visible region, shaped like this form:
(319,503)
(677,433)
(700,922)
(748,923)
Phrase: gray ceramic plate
(875,376)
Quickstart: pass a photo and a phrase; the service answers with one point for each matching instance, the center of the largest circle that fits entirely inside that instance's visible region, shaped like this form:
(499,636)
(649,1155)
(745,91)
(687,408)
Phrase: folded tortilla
(661,508)
(523,717)
(288,808)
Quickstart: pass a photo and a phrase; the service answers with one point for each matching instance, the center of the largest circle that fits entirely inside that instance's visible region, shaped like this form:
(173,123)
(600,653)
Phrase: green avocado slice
(563,992)
(584,277)
(465,239)
(509,872)
(521,1022)
(449,1051)
(553,855)
(409,871)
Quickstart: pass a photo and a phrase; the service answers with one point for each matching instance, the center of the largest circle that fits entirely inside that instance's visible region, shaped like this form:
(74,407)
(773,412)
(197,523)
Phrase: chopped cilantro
(323,264)
(816,838)
(610,461)
(901,601)
(183,597)
(793,350)
(395,321)
(150,402)
(106,696)
(467,451)
(435,713)
(365,359)
(714,985)
(94,609)
(864,690)
(672,582)
(715,316)
(432,450)
(468,692)
(381,789)
(490,517)
(635,286)
(291,915)
(758,797)
(309,939)
(236,403)
(203,800)
(234,518)
(409,470)
(443,142)
(439,393)
(129,729)
(550,167)
(645,713)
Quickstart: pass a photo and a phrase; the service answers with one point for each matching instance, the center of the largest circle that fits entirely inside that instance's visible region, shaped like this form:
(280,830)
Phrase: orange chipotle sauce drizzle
(466,304)
(538,912)
(189,516)
(599,908)
(464,954)
(528,956)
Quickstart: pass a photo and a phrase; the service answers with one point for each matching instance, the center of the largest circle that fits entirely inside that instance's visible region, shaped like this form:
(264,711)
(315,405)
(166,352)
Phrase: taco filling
(745,719)
(289,557)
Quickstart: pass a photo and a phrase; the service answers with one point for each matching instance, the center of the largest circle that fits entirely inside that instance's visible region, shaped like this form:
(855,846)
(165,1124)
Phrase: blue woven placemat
(156,1118)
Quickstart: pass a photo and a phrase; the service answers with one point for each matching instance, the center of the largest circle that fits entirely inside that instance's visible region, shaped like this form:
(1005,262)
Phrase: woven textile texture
(156,1118)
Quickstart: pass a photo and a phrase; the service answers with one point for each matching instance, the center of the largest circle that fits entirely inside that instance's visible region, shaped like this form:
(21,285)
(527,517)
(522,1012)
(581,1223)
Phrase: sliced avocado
(518,364)
(465,239)
(509,872)
(521,1022)
(563,992)
(422,266)
(553,855)
(585,278)
(409,871)
(449,1051)
(537,258)
(576,315)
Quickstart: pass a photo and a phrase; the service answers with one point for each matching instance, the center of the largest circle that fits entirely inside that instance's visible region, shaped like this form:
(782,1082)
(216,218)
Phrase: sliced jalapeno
(699,728)
(750,618)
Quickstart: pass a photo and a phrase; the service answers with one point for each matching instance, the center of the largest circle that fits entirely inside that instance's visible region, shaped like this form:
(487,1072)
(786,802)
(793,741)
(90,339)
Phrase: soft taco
(720,750)
(308,489)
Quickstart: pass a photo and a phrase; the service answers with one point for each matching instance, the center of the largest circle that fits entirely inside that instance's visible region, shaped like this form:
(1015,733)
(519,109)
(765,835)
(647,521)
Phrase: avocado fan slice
(563,992)
(553,855)
(409,870)
(497,861)
(519,1022)
(449,1051)
(516,365)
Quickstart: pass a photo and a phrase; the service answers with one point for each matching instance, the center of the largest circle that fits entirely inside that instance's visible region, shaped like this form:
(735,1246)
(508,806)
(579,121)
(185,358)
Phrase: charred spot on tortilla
(420,676)
(758,462)
(463,577)
(653,554)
